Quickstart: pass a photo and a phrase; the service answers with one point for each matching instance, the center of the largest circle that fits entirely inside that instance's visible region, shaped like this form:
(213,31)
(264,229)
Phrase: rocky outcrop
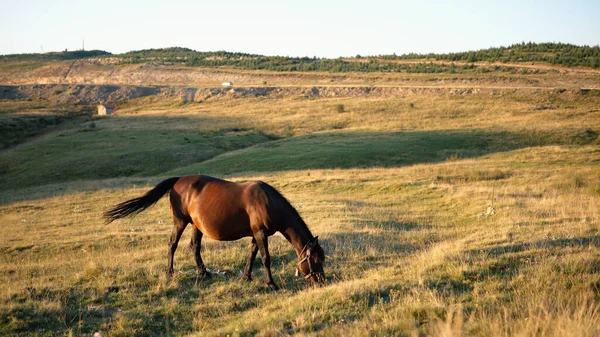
(92,94)
(76,94)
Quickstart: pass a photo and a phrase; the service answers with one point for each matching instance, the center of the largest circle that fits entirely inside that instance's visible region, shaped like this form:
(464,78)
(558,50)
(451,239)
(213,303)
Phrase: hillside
(448,204)
(500,59)
(517,66)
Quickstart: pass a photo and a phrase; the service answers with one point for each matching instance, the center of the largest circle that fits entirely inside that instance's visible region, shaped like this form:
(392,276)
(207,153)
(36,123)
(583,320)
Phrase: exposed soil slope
(104,72)
(93,94)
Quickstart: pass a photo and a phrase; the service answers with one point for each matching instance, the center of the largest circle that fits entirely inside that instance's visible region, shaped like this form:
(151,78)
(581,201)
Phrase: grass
(15,66)
(97,149)
(21,120)
(367,149)
(396,188)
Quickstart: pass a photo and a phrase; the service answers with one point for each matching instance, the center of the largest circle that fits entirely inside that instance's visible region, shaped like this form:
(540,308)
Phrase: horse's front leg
(195,246)
(178,227)
(251,257)
(263,245)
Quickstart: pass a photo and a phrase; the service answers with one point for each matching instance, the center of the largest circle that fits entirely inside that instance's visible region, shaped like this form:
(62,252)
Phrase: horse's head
(311,261)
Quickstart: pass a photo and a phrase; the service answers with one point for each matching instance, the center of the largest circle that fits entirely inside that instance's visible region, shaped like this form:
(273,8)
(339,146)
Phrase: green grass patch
(95,150)
(361,150)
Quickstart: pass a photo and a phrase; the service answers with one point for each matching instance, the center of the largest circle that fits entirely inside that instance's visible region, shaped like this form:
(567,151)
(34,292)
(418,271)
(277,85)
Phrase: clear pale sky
(293,28)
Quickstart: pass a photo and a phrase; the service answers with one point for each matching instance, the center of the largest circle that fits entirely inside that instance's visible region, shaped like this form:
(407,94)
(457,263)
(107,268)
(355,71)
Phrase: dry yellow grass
(411,249)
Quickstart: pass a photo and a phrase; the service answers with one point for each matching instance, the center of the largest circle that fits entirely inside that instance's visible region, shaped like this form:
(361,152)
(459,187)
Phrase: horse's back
(221,209)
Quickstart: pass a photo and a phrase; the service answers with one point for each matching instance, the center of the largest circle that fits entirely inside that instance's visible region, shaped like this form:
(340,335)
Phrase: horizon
(242,52)
(310,29)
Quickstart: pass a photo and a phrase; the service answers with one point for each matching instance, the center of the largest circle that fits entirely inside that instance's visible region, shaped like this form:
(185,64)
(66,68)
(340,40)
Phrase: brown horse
(228,211)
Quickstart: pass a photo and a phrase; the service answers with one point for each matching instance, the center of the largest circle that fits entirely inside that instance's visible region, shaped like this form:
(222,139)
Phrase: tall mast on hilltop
(82,45)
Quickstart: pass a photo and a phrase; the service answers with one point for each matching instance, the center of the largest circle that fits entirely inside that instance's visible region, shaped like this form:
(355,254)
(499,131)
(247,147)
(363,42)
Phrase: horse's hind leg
(178,227)
(251,257)
(263,245)
(195,245)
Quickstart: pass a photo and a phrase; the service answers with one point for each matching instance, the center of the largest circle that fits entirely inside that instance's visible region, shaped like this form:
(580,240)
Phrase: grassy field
(440,215)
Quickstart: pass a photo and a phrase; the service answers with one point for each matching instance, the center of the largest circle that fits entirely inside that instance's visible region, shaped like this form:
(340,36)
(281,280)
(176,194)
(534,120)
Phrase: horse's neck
(298,235)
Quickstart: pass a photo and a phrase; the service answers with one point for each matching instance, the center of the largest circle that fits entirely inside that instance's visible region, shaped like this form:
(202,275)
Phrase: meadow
(440,215)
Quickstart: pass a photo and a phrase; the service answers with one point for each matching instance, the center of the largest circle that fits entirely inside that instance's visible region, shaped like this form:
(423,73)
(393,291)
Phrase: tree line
(55,56)
(554,53)
(563,54)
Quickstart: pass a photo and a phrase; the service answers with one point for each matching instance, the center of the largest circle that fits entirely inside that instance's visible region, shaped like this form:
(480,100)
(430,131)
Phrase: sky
(293,28)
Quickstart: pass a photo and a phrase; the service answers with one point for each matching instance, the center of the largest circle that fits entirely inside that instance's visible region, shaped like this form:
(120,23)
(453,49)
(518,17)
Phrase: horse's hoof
(273,286)
(248,278)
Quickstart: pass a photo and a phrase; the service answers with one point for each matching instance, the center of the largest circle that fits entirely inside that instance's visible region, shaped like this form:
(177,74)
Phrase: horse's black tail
(138,205)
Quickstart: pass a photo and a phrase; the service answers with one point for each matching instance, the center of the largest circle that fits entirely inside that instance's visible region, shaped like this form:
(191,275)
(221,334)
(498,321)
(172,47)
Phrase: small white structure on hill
(105,109)
(227,84)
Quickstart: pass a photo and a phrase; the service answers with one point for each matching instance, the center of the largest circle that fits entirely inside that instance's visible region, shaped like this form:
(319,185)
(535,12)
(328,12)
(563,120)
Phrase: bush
(339,108)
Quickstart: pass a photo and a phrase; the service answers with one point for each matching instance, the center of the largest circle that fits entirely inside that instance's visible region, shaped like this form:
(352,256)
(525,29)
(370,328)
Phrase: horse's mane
(278,203)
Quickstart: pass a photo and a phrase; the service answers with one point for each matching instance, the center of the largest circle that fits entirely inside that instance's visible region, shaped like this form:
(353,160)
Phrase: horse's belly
(225,228)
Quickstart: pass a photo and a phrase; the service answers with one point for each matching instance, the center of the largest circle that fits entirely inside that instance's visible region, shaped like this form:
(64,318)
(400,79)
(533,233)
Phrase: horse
(228,211)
